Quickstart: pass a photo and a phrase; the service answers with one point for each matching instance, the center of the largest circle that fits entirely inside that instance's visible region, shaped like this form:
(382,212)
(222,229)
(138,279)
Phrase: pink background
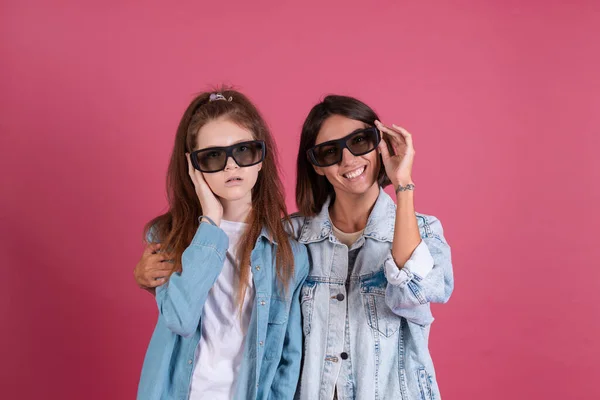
(502,98)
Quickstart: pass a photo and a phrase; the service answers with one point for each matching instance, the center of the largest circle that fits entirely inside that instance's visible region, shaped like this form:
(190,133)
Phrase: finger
(151,248)
(196,176)
(396,139)
(154,275)
(388,141)
(148,280)
(168,257)
(141,280)
(157,260)
(166,265)
(155,282)
(155,246)
(191,169)
(400,129)
(200,186)
(400,141)
(387,129)
(148,250)
(405,134)
(394,136)
(383,150)
(199,175)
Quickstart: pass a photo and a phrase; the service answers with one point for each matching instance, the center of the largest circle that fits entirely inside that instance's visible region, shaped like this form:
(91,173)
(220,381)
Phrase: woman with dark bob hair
(375,264)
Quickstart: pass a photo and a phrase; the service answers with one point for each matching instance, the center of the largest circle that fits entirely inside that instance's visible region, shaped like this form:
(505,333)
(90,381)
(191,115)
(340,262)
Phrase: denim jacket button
(340,297)
(261,343)
(344,355)
(262,303)
(257,267)
(189,361)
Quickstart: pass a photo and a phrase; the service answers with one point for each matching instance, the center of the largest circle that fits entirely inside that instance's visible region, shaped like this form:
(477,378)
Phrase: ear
(319,170)
(260,166)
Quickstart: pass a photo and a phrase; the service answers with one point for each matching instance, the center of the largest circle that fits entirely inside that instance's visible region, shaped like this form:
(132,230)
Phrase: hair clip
(218,96)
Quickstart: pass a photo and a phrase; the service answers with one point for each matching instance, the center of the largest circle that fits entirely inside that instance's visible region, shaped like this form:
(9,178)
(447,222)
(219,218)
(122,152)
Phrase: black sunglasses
(359,142)
(214,159)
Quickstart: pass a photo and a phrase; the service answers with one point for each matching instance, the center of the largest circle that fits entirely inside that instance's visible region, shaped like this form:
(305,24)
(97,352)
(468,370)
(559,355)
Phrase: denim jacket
(273,346)
(366,330)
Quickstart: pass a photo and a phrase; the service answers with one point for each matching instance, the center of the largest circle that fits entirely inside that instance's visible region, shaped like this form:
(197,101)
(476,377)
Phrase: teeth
(355,173)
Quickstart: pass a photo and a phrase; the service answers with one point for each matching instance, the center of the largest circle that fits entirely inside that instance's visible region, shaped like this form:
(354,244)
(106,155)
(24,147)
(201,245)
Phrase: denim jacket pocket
(424,384)
(379,316)
(307,300)
(278,316)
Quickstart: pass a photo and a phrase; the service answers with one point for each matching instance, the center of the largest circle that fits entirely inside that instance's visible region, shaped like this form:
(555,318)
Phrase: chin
(233,194)
(359,189)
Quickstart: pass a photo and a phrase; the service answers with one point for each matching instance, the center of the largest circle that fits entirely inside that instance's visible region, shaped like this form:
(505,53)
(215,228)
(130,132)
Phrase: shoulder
(429,226)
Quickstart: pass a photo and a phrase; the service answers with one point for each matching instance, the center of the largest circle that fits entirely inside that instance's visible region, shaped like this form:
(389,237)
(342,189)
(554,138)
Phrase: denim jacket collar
(264,233)
(379,226)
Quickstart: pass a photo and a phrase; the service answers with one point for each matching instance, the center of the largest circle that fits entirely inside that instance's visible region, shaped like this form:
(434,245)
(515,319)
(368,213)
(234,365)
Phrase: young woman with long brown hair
(225,273)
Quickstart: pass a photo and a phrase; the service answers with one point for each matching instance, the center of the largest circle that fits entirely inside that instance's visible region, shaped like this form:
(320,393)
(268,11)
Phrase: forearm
(406,228)
(181,299)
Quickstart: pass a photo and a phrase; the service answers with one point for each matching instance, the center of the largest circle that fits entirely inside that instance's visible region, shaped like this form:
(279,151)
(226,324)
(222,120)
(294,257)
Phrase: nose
(231,164)
(347,157)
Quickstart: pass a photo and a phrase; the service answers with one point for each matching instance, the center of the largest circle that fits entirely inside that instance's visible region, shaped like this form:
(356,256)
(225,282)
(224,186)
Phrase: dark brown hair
(313,189)
(176,228)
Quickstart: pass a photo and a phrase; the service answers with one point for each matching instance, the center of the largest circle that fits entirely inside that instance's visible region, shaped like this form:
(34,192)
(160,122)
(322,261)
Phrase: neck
(236,210)
(350,212)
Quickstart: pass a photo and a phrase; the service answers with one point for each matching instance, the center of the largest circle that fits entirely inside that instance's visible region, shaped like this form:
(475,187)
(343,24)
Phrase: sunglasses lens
(359,143)
(327,154)
(211,160)
(247,154)
(215,159)
(363,142)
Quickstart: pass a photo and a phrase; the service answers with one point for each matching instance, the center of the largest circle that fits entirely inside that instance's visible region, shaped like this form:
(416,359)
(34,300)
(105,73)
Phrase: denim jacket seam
(212,247)
(428,233)
(416,292)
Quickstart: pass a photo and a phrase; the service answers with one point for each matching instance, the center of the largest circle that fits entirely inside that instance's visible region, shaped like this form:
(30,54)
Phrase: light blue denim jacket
(378,315)
(273,346)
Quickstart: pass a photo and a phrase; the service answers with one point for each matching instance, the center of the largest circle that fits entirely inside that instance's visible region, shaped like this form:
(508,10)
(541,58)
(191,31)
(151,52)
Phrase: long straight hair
(176,228)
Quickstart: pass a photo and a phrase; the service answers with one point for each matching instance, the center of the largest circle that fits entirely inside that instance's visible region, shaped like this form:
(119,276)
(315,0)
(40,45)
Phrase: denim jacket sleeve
(426,277)
(181,299)
(288,371)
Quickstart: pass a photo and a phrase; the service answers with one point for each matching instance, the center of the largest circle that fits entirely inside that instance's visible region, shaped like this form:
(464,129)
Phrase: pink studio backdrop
(502,98)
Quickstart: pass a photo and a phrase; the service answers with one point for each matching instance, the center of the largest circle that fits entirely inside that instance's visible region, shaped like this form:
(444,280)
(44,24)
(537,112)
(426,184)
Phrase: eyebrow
(358,130)
(232,144)
(351,133)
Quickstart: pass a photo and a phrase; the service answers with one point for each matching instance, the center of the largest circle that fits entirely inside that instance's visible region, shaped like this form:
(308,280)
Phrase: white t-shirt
(221,349)
(347,238)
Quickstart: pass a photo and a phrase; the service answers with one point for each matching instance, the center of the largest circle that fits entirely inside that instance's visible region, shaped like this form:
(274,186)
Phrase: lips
(234,179)
(355,173)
